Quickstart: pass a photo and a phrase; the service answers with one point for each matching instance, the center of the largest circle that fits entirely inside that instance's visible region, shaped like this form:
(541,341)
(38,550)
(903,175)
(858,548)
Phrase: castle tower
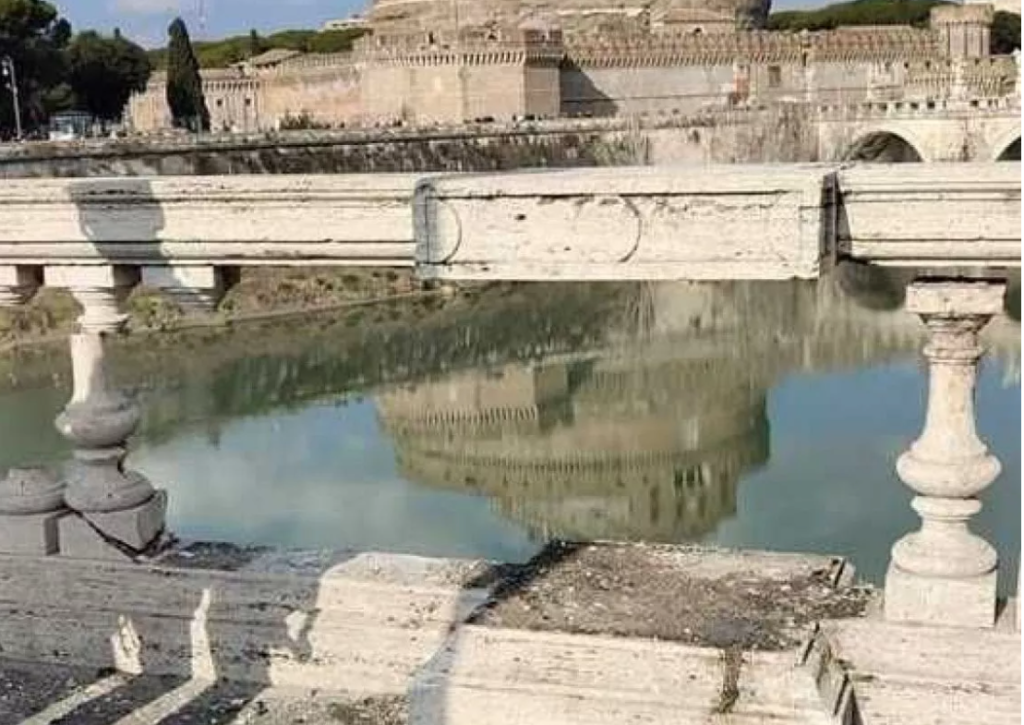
(963,30)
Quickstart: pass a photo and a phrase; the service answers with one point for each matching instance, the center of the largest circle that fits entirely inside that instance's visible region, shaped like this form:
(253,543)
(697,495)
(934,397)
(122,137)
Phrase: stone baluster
(31,505)
(101,291)
(196,288)
(943,573)
(17,284)
(119,513)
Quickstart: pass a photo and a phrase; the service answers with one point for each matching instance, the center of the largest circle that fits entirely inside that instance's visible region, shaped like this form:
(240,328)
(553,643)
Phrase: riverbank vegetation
(259,292)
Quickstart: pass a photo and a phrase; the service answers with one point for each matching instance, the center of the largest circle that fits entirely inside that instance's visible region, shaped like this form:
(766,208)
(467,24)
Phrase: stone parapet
(673,48)
(466,48)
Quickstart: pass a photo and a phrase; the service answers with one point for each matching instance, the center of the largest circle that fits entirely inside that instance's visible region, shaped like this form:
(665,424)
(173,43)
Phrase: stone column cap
(949,298)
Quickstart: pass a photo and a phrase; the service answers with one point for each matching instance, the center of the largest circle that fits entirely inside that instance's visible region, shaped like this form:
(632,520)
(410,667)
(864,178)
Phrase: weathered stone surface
(955,602)
(503,676)
(18,283)
(693,222)
(715,223)
(898,674)
(30,491)
(31,534)
(917,214)
(135,529)
(943,573)
(280,220)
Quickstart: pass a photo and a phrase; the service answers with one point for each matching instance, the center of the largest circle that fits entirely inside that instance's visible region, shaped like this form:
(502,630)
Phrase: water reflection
(486,424)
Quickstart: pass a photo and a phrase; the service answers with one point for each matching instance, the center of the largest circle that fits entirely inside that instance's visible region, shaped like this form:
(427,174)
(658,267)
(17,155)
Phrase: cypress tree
(184,84)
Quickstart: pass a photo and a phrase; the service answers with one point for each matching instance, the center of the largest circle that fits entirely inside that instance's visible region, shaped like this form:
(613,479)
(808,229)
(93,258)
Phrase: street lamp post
(11,81)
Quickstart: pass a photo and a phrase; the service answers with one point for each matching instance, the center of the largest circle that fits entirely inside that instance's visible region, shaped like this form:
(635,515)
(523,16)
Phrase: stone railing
(916,109)
(99,237)
(768,222)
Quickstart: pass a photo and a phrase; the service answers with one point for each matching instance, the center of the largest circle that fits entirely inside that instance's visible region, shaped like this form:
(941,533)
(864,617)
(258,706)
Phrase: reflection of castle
(648,434)
(596,448)
(456,61)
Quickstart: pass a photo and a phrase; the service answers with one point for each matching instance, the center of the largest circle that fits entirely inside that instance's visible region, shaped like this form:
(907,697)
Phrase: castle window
(248,101)
(698,30)
(220,102)
(774,76)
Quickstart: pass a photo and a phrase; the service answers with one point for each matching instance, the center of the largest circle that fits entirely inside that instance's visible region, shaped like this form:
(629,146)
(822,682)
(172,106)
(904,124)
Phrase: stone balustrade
(919,108)
(769,222)
(98,238)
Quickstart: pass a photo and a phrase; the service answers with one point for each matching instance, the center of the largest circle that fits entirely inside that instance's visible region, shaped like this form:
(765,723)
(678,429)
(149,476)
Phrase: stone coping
(774,221)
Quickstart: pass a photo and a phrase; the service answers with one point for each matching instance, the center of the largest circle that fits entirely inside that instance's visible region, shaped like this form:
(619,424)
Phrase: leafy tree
(33,35)
(856,12)
(103,72)
(184,84)
(1005,36)
(226,52)
(334,41)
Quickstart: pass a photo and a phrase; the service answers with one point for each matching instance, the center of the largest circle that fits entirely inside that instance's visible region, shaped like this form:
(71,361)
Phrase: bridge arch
(885,144)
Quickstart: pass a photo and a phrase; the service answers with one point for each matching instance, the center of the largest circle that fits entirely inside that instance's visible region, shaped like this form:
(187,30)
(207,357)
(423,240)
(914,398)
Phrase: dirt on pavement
(657,592)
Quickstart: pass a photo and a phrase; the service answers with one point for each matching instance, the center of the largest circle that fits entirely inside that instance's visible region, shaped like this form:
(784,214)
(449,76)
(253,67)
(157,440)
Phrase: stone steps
(516,677)
(923,675)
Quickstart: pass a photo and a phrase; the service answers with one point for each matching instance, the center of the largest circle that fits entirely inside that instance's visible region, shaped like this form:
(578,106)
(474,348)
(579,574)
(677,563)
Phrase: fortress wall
(773,82)
(383,91)
(428,93)
(330,98)
(775,135)
(436,93)
(637,90)
(542,96)
(840,81)
(495,90)
(235,105)
(148,112)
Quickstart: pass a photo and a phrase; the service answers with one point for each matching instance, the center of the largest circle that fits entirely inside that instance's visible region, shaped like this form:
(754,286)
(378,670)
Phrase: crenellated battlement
(661,49)
(469,47)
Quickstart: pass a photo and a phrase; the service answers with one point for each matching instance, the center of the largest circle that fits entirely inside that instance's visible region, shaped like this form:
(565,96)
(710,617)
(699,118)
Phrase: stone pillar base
(125,533)
(955,602)
(31,534)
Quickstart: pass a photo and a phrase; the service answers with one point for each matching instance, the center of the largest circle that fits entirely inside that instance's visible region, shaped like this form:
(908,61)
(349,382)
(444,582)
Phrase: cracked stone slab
(116,535)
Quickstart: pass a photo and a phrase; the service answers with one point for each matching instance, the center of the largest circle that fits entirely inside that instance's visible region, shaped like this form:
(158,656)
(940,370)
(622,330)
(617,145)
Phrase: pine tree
(255,43)
(184,84)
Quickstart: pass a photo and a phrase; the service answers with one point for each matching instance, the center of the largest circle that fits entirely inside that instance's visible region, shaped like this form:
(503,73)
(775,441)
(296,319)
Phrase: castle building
(430,62)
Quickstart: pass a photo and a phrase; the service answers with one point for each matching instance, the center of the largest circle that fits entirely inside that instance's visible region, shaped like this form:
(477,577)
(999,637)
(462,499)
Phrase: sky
(145,21)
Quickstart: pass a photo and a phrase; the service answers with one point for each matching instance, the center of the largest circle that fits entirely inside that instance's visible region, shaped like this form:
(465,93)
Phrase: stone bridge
(98,238)
(977,128)
(982,129)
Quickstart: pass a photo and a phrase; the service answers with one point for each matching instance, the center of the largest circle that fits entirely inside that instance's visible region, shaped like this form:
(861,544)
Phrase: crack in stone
(732,662)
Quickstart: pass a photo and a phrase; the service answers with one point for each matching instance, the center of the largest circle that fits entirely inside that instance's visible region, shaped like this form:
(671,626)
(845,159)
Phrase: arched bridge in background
(975,130)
